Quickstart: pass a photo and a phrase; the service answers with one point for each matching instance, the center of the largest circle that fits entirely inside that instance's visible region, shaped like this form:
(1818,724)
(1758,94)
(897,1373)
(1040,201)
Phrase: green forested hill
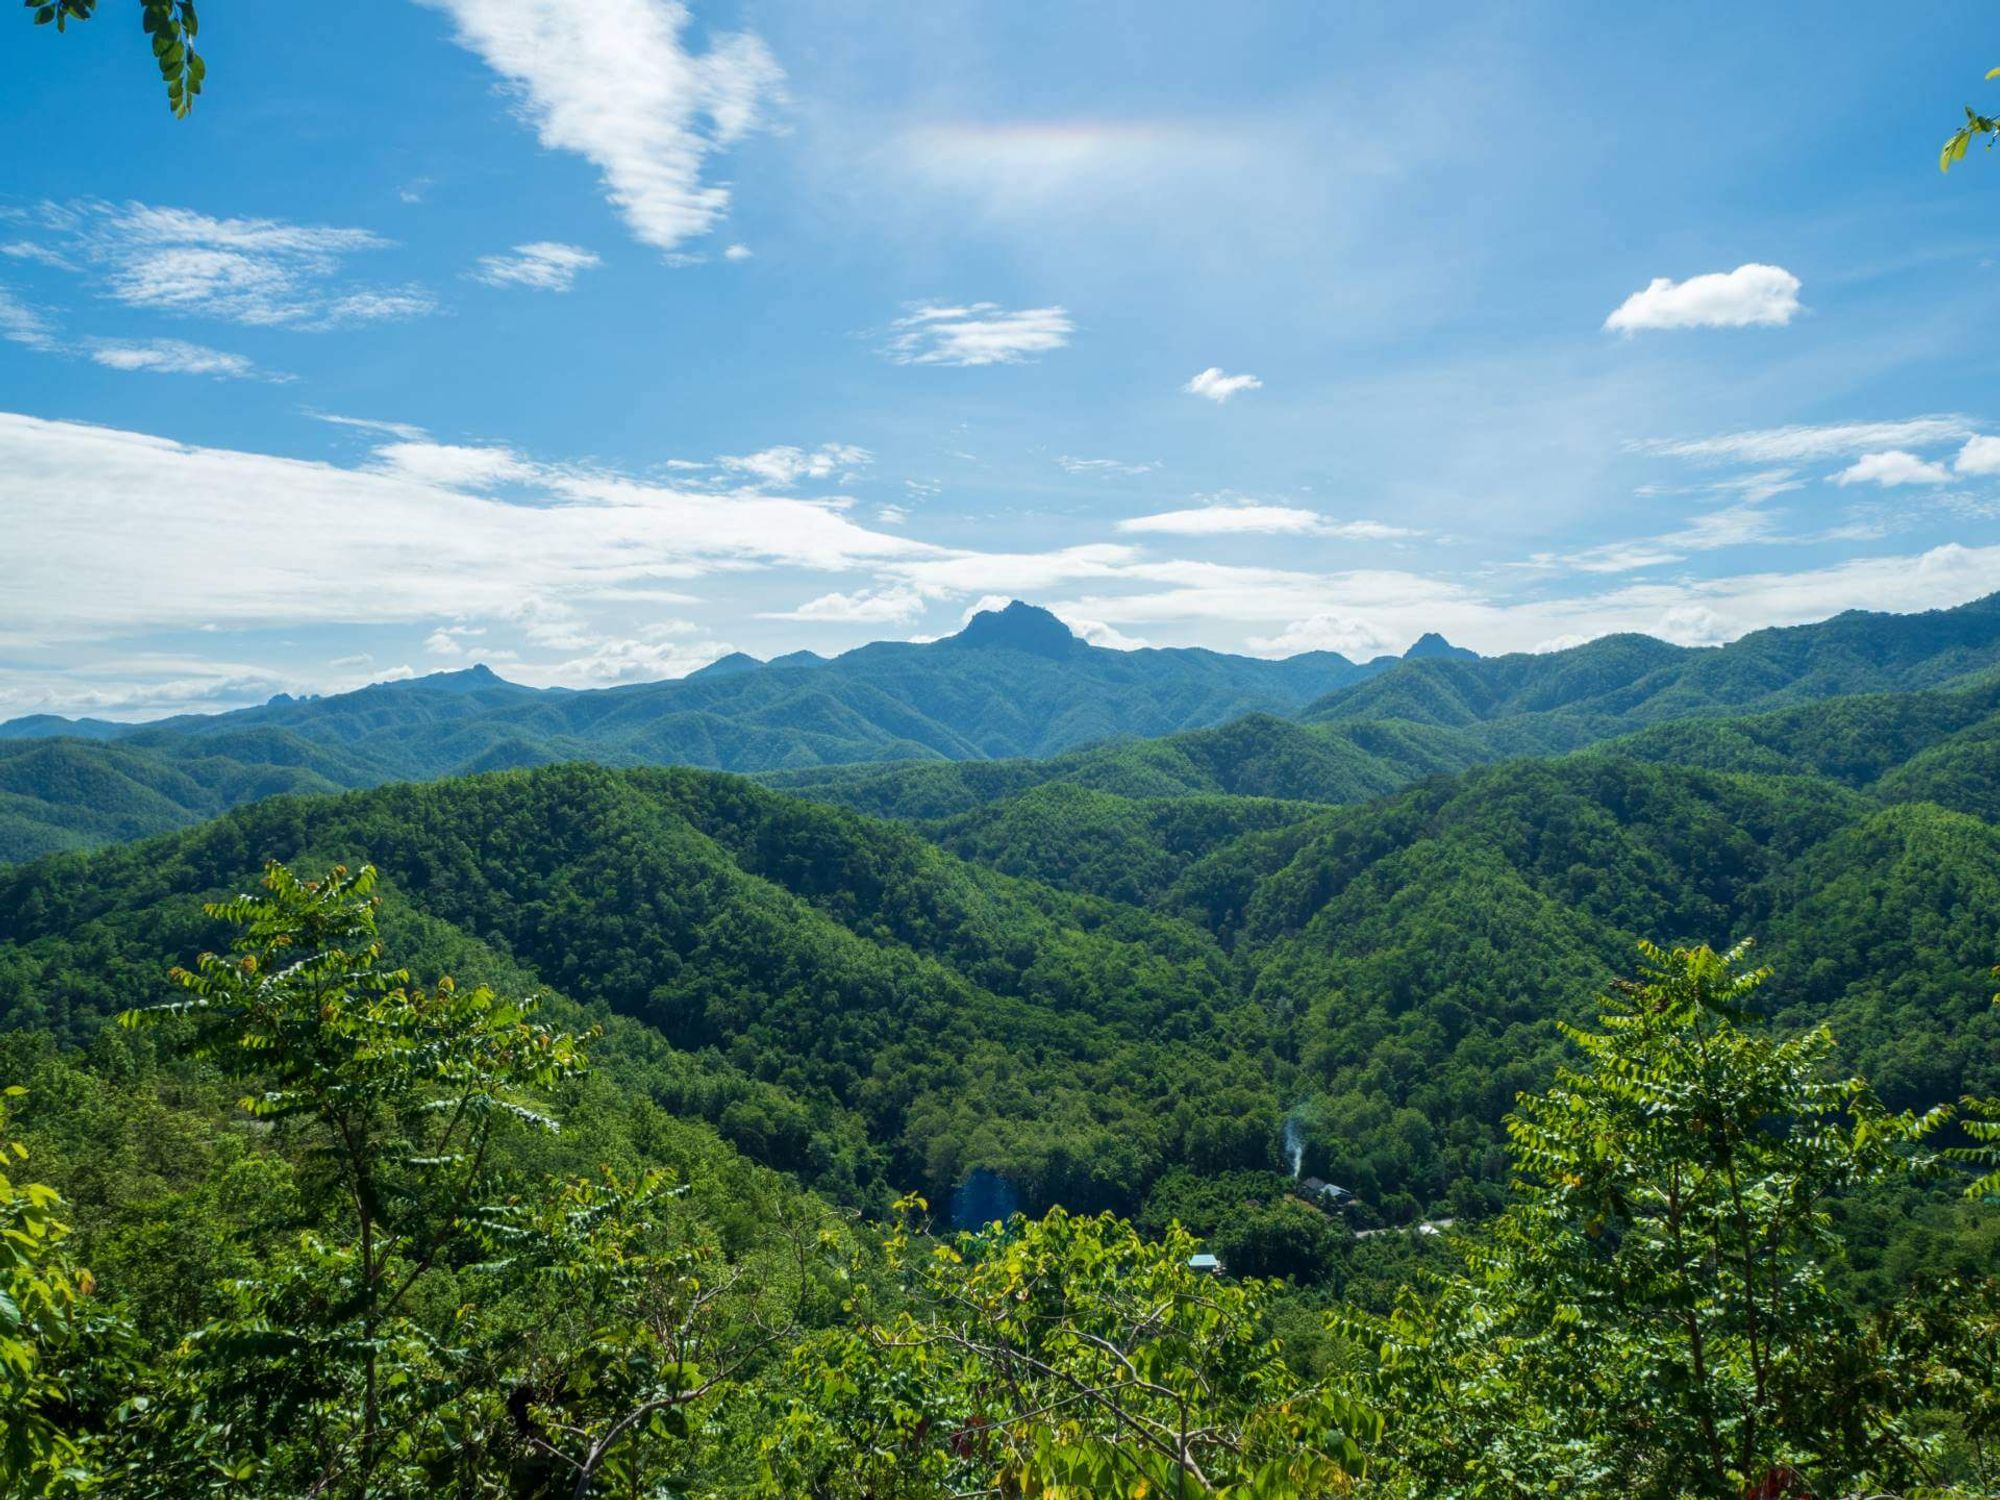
(1082,990)
(1014,686)
(1014,683)
(1567,698)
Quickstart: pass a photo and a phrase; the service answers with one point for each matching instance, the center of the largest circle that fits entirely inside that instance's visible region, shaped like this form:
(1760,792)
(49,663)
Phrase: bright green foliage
(402,1091)
(1982,1122)
(1061,1358)
(1651,1315)
(1975,125)
(39,1292)
(170,26)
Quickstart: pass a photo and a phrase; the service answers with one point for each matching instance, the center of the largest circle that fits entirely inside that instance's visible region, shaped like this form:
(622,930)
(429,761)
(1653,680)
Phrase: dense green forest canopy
(1280,991)
(429,1249)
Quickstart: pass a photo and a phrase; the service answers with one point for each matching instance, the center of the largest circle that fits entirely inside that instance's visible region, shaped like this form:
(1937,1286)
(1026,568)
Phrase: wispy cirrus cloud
(1805,443)
(1102,466)
(172,357)
(544,266)
(1250,519)
(262,272)
(1751,296)
(25,325)
(977,333)
(615,83)
(32,329)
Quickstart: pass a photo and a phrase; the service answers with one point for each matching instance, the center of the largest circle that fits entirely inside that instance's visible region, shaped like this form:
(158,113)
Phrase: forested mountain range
(1015,683)
(1085,989)
(1166,978)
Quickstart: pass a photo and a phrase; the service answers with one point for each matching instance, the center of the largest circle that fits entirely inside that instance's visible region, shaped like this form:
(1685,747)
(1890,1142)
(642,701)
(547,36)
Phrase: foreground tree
(1976,126)
(41,1293)
(324,1375)
(1062,1357)
(1651,1316)
(170,27)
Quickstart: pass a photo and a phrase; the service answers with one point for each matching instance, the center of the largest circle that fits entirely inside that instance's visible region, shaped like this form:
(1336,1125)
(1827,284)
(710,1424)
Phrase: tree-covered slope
(1383,975)
(962,1016)
(1564,699)
(1014,683)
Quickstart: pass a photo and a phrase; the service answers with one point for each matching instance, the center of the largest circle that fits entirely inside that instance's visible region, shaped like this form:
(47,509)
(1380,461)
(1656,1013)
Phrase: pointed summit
(1018,627)
(727,666)
(1431,644)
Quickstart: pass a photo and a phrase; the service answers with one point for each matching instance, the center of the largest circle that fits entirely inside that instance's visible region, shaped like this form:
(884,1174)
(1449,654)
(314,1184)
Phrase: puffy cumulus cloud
(1750,296)
(1980,455)
(170,357)
(544,266)
(264,272)
(980,333)
(1097,633)
(615,83)
(785,466)
(1355,639)
(1805,443)
(607,660)
(738,252)
(1215,386)
(891,606)
(1891,469)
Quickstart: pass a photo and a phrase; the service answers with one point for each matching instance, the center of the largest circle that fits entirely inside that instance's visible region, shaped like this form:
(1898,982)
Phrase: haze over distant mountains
(1014,683)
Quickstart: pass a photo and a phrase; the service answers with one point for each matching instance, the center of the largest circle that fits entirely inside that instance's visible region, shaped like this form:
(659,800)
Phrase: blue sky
(594,341)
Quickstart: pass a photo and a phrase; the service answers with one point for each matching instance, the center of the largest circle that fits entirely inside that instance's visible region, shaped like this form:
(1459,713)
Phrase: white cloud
(738,252)
(1750,296)
(1356,639)
(785,465)
(1227,520)
(1891,468)
(122,532)
(891,515)
(1803,444)
(387,305)
(258,271)
(613,82)
(21,324)
(408,432)
(1218,387)
(545,266)
(170,357)
(1097,633)
(1260,520)
(892,606)
(980,333)
(454,466)
(1980,455)
(1102,466)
